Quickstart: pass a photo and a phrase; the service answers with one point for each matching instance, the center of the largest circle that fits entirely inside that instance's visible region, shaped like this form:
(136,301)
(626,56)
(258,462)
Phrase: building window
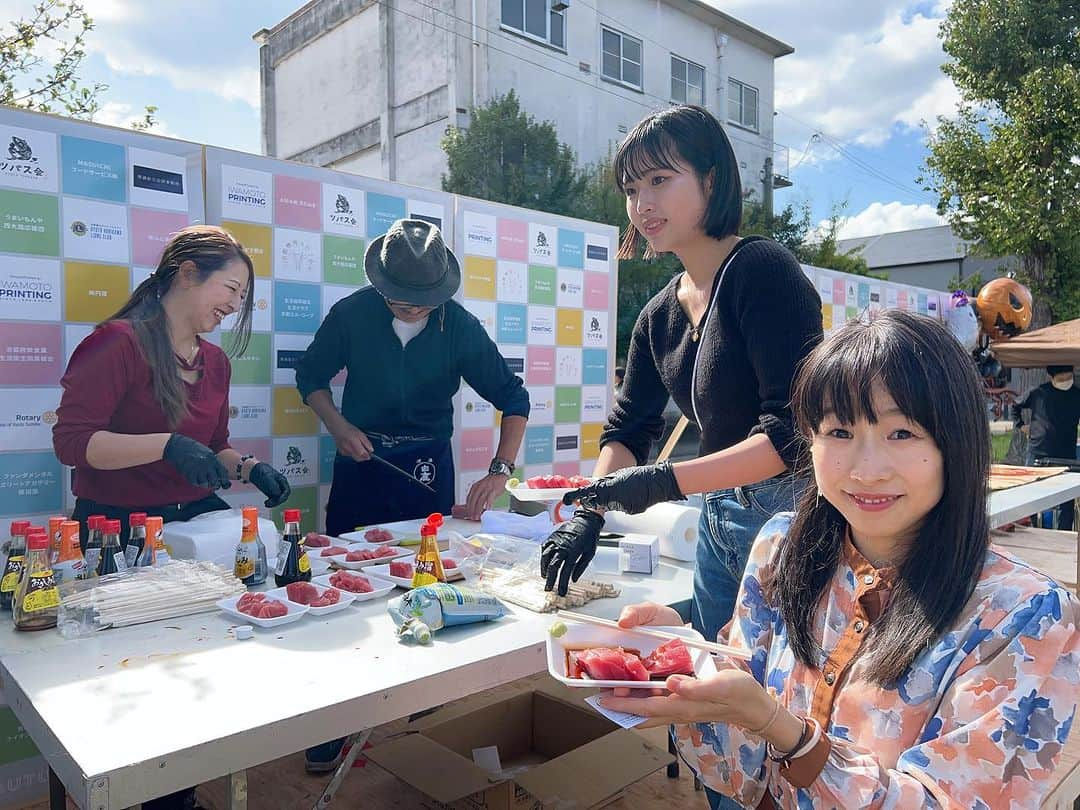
(742,104)
(621,58)
(535,19)
(687,82)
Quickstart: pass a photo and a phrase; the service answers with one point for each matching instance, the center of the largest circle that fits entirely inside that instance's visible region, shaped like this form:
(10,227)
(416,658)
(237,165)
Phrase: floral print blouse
(979,720)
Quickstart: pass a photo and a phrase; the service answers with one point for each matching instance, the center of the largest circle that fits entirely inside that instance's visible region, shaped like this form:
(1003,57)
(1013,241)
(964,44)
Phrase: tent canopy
(1057,345)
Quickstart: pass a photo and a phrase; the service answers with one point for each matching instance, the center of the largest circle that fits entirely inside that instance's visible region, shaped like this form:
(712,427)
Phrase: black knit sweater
(764,319)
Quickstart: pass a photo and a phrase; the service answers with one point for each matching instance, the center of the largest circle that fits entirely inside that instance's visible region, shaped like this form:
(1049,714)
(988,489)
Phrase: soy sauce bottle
(112,556)
(13,565)
(136,538)
(37,600)
(93,543)
(292,560)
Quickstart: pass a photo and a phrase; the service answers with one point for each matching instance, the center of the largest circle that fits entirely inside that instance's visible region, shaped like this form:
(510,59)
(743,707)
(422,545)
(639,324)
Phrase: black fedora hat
(411,263)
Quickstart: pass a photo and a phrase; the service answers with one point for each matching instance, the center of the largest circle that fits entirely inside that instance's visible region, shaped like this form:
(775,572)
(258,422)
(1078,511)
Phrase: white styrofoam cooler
(213,536)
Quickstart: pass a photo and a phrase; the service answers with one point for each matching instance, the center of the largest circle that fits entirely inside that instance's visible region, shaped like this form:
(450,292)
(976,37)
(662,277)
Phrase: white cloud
(878,218)
(118,114)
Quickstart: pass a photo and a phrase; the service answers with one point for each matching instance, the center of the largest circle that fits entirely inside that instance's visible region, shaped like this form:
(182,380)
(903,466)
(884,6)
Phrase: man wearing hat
(407,346)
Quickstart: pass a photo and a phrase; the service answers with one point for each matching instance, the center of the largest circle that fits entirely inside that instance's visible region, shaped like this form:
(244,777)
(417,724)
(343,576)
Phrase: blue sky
(850,100)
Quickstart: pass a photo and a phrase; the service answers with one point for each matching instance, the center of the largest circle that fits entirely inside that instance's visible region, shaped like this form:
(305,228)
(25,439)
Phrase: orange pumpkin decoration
(1004,307)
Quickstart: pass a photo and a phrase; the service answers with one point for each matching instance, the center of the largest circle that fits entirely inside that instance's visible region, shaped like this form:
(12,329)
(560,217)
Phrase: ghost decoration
(961,320)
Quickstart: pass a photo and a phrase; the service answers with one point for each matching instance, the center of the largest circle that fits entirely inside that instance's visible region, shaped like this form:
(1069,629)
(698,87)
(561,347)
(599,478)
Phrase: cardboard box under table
(554,751)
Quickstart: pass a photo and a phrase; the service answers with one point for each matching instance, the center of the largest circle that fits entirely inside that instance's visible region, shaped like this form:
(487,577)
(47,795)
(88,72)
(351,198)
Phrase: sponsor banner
(590,442)
(597,253)
(571,248)
(541,330)
(595,328)
(569,327)
(343,261)
(331,294)
(567,468)
(95,231)
(253,366)
(74,333)
(157,180)
(542,285)
(567,443)
(476,448)
(568,404)
(29,223)
(93,292)
(342,210)
(246,195)
(542,243)
(150,230)
(512,282)
(290,416)
(539,445)
(28,159)
(487,312)
(263,450)
(31,353)
(478,278)
(249,412)
(428,212)
(596,291)
(296,203)
(258,241)
(594,367)
(297,307)
(513,239)
(27,416)
(542,404)
(306,500)
(540,368)
(480,235)
(594,403)
(30,483)
(568,366)
(261,312)
(513,323)
(297,458)
(297,255)
(382,211)
(515,358)
(288,349)
(571,292)
(93,169)
(29,289)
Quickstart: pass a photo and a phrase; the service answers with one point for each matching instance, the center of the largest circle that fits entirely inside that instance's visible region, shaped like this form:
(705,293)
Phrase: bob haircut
(934,384)
(689,136)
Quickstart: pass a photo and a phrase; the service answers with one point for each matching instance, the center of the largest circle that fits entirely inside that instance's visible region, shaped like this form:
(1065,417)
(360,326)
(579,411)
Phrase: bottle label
(93,557)
(282,557)
(302,563)
(131,554)
(68,570)
(245,565)
(120,560)
(12,574)
(41,593)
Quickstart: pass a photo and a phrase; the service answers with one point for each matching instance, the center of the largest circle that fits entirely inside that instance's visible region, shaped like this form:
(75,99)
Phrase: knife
(400,471)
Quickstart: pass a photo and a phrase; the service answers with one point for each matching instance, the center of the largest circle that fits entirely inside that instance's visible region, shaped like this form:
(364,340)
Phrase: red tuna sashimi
(354,583)
(316,540)
(670,658)
(303,593)
(333,551)
(270,609)
(249,599)
(611,664)
(331,596)
(378,535)
(401,569)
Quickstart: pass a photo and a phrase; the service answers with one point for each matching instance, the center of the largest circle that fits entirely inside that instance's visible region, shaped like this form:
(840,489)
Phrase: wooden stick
(715,649)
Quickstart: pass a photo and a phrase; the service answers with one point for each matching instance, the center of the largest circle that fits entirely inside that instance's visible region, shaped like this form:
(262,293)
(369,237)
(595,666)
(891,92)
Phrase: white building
(339,76)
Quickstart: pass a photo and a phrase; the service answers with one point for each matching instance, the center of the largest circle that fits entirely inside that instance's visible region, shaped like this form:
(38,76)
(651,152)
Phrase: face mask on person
(1062,382)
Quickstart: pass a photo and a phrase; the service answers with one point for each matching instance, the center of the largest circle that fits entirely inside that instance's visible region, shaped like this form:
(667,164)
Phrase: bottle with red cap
(428,567)
(112,556)
(292,560)
(136,538)
(54,537)
(93,542)
(37,600)
(13,565)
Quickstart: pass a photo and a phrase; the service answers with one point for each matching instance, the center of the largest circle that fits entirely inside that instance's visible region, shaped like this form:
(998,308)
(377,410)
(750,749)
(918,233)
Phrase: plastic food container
(346,599)
(379,587)
(296,612)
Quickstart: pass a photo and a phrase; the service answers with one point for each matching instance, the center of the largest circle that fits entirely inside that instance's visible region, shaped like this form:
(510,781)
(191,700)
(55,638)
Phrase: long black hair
(209,248)
(691,136)
(934,384)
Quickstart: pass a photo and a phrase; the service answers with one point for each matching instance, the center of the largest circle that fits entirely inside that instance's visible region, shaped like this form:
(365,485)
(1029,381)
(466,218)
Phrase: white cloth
(407,331)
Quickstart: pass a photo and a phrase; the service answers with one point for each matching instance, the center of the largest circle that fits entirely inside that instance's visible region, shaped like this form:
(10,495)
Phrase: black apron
(365,493)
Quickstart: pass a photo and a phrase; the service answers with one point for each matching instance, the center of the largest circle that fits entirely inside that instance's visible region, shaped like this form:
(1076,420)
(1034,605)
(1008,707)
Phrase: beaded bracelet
(240,468)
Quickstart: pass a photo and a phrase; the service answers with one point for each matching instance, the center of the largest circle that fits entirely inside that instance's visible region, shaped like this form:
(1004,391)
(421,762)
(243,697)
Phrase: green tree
(789,227)
(507,156)
(40,58)
(1005,169)
(822,250)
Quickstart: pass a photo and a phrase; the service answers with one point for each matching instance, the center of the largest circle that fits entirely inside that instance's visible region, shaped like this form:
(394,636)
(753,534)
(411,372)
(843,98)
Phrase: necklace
(193,362)
(695,333)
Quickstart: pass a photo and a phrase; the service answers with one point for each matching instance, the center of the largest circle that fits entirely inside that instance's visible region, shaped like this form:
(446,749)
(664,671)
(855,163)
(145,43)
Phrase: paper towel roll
(676,526)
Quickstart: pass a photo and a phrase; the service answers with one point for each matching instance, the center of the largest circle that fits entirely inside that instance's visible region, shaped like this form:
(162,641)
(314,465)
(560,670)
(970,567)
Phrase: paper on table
(621,719)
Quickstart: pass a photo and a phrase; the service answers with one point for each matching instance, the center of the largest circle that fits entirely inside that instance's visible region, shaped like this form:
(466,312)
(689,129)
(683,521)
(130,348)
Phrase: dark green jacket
(406,390)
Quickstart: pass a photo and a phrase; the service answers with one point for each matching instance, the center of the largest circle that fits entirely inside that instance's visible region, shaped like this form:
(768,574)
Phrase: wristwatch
(500,467)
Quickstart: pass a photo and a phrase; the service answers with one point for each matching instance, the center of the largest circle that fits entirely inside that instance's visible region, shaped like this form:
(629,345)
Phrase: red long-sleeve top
(108,386)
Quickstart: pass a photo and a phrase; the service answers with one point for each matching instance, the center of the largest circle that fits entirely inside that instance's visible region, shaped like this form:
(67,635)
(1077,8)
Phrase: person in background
(897,657)
(407,346)
(1052,429)
(144,414)
(620,375)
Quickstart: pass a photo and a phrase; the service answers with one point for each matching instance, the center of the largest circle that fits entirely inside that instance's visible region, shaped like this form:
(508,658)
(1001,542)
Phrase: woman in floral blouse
(898,658)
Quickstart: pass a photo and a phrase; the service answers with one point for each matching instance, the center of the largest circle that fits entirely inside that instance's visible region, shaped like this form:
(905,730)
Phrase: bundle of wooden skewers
(178,588)
(521,586)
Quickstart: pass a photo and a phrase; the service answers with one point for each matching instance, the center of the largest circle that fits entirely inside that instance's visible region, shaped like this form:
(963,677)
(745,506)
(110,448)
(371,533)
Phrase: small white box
(639,553)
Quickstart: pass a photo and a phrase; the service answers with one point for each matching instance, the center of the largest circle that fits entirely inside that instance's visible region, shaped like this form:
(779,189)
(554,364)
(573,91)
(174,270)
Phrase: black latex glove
(568,551)
(196,462)
(631,490)
(271,483)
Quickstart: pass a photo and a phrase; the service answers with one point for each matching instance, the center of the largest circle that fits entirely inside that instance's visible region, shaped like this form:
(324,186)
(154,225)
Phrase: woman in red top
(144,418)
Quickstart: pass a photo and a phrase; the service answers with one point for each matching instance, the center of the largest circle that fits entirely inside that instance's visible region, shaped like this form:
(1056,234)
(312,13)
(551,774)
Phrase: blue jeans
(730,522)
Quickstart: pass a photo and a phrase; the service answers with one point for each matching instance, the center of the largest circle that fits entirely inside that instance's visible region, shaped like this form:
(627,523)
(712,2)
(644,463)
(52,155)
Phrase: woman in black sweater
(722,339)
